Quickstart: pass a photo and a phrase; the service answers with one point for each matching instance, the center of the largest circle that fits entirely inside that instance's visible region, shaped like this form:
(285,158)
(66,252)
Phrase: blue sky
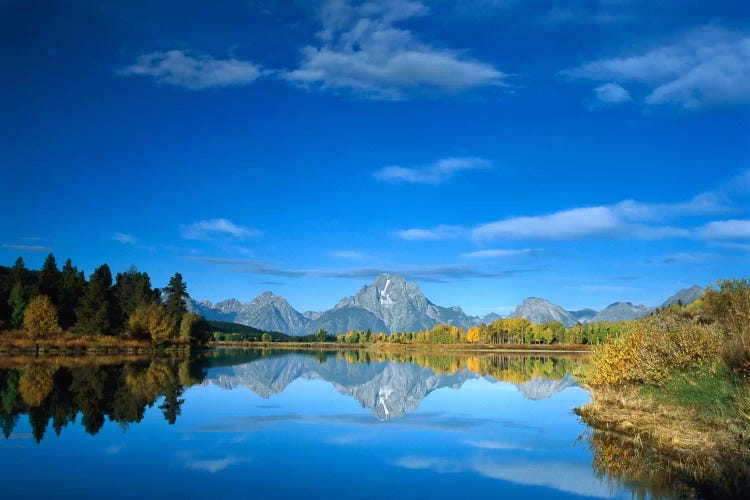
(586,151)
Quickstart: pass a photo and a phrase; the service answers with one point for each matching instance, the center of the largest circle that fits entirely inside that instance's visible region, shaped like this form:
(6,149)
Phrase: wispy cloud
(689,258)
(427,273)
(206,229)
(434,234)
(604,288)
(33,238)
(352,255)
(626,219)
(567,224)
(193,72)
(708,65)
(611,93)
(27,248)
(125,239)
(499,253)
(363,52)
(437,173)
(733,229)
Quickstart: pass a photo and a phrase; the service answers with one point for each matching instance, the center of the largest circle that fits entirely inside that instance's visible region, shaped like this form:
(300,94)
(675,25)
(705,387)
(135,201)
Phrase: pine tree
(50,279)
(72,287)
(95,314)
(176,295)
(132,289)
(19,274)
(17,303)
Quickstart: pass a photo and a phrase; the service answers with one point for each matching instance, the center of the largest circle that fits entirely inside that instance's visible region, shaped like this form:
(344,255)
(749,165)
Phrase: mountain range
(392,304)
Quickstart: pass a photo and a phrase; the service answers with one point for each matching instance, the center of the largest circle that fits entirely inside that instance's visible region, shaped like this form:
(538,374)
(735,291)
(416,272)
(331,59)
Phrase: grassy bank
(671,399)
(14,342)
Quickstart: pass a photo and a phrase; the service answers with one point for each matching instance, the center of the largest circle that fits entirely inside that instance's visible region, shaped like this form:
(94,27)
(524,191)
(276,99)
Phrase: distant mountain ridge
(392,304)
(685,296)
(538,310)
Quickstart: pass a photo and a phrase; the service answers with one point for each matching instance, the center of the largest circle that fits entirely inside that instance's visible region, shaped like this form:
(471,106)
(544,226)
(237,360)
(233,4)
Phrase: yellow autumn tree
(40,316)
(153,320)
(472,336)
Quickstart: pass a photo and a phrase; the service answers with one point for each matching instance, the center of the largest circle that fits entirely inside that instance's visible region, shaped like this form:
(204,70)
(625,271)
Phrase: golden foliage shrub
(729,309)
(652,351)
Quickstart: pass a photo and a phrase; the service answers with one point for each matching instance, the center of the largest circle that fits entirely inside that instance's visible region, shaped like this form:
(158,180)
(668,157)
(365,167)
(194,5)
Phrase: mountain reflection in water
(121,389)
(505,422)
(390,388)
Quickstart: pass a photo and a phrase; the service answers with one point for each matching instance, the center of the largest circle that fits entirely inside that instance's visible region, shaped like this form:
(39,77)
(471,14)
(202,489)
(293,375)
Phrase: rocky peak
(538,310)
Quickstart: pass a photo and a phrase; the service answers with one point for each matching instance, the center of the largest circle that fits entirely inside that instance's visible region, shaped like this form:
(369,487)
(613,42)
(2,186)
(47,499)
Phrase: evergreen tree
(96,313)
(49,280)
(72,287)
(17,303)
(132,289)
(19,274)
(176,294)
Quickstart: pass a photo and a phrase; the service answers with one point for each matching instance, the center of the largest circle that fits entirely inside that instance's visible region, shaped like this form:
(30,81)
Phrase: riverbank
(671,398)
(396,347)
(17,342)
(642,436)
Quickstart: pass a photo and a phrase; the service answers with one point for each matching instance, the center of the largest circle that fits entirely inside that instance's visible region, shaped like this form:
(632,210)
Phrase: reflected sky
(319,430)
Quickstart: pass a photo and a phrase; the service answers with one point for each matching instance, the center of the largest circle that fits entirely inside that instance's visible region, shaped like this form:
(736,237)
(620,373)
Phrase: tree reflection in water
(120,392)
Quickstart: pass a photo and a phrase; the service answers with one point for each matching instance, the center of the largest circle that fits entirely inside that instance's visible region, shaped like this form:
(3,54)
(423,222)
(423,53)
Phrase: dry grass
(712,454)
(18,341)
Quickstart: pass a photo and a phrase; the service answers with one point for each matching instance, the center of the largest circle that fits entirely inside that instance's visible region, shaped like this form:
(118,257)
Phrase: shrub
(40,316)
(651,352)
(729,308)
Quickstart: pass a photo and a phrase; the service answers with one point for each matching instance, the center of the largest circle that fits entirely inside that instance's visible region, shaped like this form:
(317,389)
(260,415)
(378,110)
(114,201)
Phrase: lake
(299,425)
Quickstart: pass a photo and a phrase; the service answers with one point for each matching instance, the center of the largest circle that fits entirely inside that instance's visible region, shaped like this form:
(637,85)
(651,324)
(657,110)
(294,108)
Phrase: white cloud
(612,93)
(206,229)
(180,69)
(27,248)
(435,234)
(364,53)
(709,203)
(575,223)
(727,229)
(626,219)
(125,239)
(499,253)
(437,173)
(709,65)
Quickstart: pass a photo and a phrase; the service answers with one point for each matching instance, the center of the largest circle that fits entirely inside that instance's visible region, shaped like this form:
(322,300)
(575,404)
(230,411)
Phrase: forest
(63,304)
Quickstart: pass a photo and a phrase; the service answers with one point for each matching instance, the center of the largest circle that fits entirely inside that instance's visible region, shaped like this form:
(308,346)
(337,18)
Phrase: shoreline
(454,348)
(628,430)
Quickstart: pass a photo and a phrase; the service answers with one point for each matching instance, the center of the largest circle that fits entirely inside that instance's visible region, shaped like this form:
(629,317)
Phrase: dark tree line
(126,306)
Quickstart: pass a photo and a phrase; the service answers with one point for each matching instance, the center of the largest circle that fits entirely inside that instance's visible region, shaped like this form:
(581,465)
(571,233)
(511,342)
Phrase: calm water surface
(297,425)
